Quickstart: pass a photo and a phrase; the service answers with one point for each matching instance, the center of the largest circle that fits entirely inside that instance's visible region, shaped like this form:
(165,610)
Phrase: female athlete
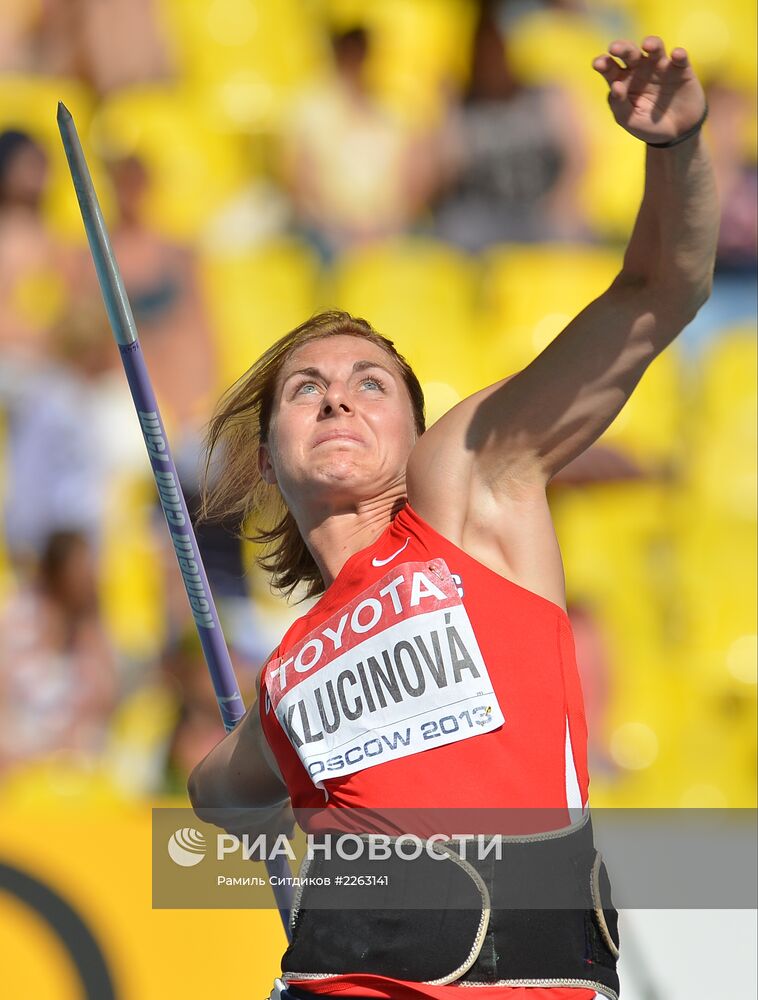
(437,668)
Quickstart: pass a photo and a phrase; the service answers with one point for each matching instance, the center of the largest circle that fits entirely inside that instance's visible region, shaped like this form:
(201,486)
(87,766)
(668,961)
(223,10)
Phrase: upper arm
(239,771)
(520,432)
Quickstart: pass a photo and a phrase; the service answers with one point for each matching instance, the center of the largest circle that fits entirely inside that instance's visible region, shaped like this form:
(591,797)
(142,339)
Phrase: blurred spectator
(15,27)
(198,727)
(123,43)
(57,668)
(107,45)
(731,142)
(521,155)
(221,551)
(171,720)
(162,283)
(355,172)
(596,669)
(31,262)
(70,427)
(731,114)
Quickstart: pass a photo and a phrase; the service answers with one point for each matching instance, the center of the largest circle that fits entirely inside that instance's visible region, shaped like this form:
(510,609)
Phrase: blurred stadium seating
(665,562)
(165,127)
(531,292)
(421,295)
(257,296)
(242,62)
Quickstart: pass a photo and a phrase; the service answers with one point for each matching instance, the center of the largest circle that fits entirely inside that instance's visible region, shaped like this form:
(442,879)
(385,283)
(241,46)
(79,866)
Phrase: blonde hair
(234,489)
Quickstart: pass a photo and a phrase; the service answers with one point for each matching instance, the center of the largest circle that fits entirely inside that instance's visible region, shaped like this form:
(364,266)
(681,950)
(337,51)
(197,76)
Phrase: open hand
(654,97)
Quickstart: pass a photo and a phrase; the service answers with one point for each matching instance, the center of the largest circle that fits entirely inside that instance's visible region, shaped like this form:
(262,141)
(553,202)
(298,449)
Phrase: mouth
(340,436)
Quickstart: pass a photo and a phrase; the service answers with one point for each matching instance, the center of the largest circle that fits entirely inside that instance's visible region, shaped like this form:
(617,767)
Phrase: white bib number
(395,672)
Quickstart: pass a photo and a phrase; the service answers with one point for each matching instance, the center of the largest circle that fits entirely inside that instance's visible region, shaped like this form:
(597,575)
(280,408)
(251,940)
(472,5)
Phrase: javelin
(170,493)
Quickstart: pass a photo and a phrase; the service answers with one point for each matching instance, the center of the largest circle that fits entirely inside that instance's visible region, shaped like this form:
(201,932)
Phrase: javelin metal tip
(63,111)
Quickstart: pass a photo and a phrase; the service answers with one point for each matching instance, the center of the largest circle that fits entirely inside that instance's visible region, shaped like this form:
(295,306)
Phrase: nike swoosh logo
(383,562)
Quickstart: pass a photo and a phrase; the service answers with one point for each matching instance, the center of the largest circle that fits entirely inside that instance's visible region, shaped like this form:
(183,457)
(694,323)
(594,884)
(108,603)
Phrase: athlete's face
(342,425)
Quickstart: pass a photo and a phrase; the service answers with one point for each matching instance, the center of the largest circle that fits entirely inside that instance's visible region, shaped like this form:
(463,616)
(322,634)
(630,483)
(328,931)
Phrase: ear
(265,466)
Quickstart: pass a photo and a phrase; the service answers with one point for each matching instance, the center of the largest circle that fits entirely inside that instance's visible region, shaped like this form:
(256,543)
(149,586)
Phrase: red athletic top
(423,679)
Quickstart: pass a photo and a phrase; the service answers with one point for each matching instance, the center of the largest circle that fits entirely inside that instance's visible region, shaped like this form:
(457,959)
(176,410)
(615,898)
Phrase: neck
(333,536)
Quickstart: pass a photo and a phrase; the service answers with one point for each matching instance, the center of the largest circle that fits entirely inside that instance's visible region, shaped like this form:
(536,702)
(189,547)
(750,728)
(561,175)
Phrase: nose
(336,400)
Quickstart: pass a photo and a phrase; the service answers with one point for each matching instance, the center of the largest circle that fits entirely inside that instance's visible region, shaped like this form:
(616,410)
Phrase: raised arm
(518,433)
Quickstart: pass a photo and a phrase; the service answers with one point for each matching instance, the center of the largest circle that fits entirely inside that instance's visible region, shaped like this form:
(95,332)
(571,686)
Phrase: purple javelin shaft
(183,537)
(170,492)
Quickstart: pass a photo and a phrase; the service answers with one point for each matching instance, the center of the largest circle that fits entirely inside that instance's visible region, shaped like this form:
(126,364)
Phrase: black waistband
(531,912)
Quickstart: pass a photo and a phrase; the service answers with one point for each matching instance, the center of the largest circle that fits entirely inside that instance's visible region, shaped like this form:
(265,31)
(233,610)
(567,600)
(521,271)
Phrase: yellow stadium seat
(139,733)
(717,539)
(256,297)
(617,552)
(719,745)
(131,584)
(724,420)
(195,165)
(651,426)
(719,594)
(717,557)
(530,293)
(420,294)
(715,35)
(69,779)
(418,50)
(555,47)
(612,184)
(243,59)
(618,557)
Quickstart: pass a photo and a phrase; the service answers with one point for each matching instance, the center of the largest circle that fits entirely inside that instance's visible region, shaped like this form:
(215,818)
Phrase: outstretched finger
(655,49)
(627,51)
(679,58)
(608,68)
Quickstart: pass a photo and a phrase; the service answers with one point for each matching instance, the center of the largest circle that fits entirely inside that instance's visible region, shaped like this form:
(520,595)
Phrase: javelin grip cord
(170,492)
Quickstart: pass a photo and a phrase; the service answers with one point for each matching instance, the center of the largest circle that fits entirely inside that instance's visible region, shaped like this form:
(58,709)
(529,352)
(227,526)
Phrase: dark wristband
(685,135)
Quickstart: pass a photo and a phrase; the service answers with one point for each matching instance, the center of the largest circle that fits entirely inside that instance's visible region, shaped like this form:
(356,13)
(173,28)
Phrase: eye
(372,382)
(306,388)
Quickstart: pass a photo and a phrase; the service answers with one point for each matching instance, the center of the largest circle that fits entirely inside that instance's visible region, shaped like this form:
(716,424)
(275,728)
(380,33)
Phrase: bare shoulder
(507,527)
